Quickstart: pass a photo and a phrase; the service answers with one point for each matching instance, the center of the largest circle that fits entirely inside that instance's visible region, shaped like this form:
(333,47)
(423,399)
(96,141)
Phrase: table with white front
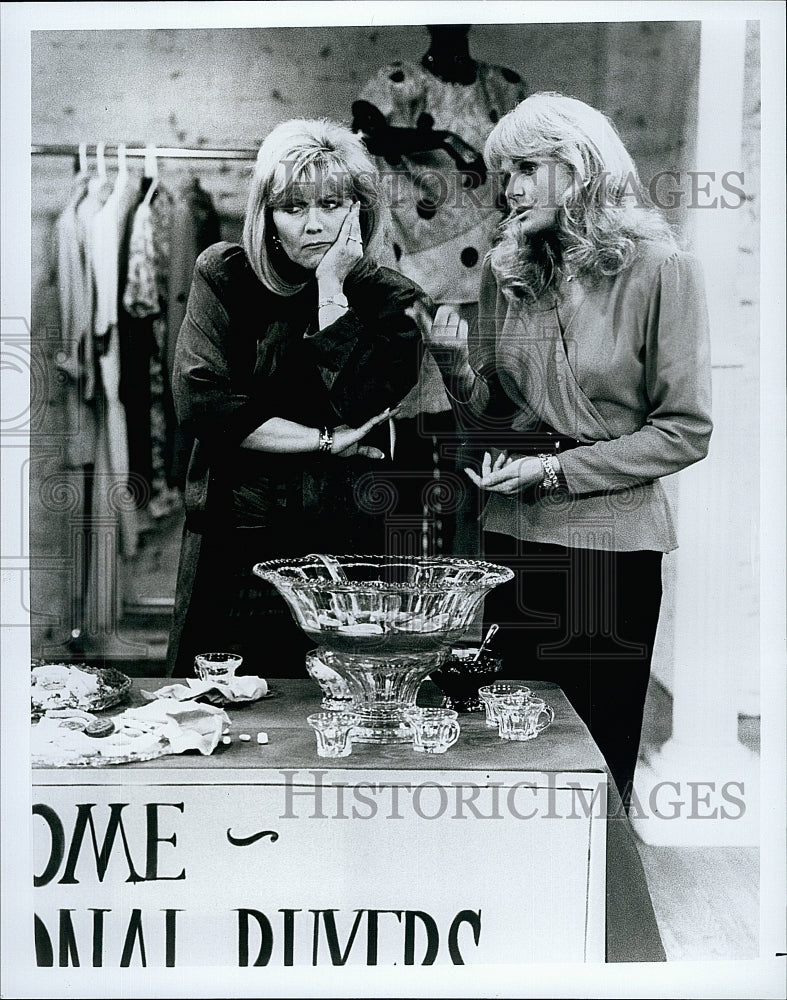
(267,854)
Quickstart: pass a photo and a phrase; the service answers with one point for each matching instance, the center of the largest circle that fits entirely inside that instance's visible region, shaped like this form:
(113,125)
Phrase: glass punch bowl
(383,622)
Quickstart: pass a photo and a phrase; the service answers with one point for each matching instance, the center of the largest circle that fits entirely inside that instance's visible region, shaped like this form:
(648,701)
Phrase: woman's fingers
(351,227)
(474,477)
(387,414)
(346,251)
(506,487)
(452,324)
(443,315)
(448,327)
(347,221)
(368,452)
(345,437)
(507,478)
(509,473)
(488,467)
(446,318)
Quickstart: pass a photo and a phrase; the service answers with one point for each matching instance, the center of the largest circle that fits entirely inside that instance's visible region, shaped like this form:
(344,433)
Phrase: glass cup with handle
(523,718)
(491,695)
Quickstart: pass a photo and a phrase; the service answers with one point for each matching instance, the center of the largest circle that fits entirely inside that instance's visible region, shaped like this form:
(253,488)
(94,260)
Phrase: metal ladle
(492,630)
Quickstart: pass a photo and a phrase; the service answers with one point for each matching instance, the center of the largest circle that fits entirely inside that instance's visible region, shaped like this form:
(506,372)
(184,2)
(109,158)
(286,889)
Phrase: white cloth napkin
(243,688)
(187,726)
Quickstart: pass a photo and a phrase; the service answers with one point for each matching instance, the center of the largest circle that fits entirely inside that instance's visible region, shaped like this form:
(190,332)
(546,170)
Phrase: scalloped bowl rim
(494,575)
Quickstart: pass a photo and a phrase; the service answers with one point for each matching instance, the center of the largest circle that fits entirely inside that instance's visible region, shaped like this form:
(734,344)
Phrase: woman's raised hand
(446,338)
(346,440)
(344,254)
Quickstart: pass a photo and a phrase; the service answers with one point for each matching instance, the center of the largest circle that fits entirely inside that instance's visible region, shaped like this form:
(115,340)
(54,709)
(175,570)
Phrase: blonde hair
(604,214)
(308,151)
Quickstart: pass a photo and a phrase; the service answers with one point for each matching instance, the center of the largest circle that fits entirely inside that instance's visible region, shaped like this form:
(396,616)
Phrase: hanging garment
(195,227)
(78,422)
(135,336)
(89,429)
(76,357)
(145,301)
(106,227)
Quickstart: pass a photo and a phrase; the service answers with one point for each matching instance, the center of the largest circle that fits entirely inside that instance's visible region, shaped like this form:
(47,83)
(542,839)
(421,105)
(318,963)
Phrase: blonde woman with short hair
(295,350)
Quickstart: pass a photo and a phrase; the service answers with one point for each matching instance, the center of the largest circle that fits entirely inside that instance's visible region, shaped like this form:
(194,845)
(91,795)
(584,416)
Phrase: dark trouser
(585,619)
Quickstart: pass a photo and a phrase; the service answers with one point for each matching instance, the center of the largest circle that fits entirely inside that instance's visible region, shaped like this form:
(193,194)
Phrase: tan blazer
(623,366)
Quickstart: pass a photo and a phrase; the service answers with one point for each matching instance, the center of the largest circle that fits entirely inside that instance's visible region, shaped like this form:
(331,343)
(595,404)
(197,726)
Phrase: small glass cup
(490,695)
(434,729)
(335,692)
(521,719)
(334,732)
(217,667)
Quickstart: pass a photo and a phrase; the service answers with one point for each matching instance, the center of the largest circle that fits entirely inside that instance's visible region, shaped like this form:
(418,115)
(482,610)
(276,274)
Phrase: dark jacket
(244,355)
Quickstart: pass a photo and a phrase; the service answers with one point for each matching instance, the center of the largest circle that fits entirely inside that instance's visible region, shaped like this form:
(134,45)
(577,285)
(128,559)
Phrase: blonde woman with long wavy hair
(588,380)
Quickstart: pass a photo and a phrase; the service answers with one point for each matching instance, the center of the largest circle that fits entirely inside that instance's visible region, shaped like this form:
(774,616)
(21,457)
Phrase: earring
(275,241)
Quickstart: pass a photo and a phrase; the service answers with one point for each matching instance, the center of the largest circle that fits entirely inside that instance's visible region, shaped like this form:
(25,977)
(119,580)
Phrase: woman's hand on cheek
(507,476)
(344,253)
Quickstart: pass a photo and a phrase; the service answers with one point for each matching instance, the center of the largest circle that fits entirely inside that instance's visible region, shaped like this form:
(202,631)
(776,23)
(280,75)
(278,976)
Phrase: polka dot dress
(443,221)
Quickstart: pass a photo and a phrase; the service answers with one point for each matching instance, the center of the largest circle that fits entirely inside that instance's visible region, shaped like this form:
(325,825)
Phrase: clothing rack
(98,603)
(160,152)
